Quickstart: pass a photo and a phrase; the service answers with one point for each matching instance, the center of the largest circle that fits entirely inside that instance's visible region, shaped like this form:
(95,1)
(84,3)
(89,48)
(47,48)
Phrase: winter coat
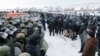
(17,51)
(34,38)
(30,28)
(59,24)
(65,25)
(33,50)
(83,37)
(43,21)
(81,30)
(4,50)
(90,47)
(51,25)
(56,21)
(44,45)
(72,26)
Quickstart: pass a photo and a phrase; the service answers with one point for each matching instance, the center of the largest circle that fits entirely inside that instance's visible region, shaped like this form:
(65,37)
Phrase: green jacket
(4,50)
(43,45)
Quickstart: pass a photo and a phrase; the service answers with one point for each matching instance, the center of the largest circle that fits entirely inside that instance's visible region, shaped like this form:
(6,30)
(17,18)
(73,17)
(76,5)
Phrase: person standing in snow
(78,26)
(51,25)
(56,24)
(59,26)
(65,27)
(82,33)
(71,26)
(43,23)
(92,42)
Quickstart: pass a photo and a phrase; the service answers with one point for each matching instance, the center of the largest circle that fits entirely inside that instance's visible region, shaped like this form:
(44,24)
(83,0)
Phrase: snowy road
(62,46)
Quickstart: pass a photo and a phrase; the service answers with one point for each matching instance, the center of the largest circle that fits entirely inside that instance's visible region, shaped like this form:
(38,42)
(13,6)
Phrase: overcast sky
(7,4)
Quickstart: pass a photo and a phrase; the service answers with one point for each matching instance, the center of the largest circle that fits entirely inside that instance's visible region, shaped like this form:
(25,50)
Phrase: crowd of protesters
(69,25)
(87,27)
(20,37)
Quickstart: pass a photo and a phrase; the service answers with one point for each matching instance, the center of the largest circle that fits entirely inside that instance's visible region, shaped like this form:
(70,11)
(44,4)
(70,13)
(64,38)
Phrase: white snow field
(62,46)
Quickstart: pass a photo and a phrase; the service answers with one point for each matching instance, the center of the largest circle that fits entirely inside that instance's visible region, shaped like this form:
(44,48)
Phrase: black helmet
(3,37)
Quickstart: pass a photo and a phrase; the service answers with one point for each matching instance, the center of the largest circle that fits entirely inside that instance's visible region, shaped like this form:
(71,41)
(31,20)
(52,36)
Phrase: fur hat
(20,35)
(25,54)
(24,31)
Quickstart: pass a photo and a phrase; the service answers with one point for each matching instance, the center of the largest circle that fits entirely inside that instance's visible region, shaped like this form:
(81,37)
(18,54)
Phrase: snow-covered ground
(62,46)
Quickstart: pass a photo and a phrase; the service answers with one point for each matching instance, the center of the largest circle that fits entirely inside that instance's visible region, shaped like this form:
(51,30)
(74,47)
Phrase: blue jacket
(43,21)
(65,25)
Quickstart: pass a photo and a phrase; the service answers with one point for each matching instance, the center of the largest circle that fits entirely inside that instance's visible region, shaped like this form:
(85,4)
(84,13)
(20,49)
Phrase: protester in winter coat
(72,28)
(92,42)
(17,49)
(21,39)
(32,47)
(51,27)
(29,26)
(65,27)
(58,26)
(83,36)
(78,25)
(43,23)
